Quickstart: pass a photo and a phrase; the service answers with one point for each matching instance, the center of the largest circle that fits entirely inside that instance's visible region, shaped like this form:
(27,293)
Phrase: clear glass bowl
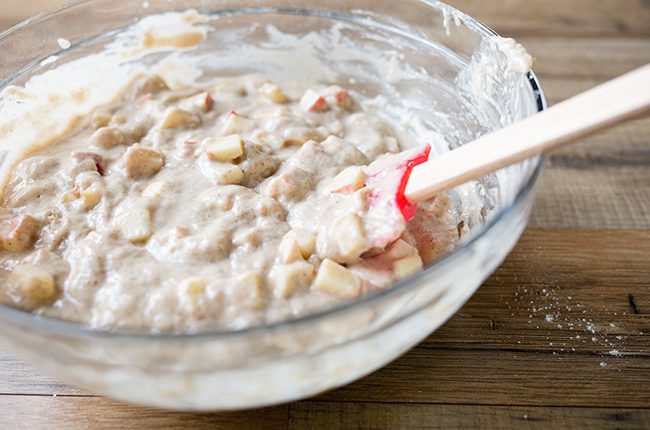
(259,366)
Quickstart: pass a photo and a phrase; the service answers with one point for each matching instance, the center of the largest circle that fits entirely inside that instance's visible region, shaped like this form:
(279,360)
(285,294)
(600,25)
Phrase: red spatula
(398,182)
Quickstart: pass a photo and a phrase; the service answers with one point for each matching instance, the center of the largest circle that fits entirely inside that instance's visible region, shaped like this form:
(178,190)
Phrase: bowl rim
(79,330)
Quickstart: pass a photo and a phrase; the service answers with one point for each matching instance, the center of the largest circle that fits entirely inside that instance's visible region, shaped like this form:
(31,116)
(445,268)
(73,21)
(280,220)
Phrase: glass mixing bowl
(258,366)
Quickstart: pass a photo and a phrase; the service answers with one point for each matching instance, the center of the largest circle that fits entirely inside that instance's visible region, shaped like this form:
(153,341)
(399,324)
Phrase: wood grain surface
(558,337)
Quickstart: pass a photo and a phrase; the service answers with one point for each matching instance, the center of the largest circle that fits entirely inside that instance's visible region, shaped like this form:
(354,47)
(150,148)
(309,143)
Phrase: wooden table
(559,337)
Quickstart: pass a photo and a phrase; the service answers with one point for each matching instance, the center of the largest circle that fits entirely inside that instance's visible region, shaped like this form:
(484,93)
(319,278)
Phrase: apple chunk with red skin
(20,234)
(312,101)
(96,158)
(208,103)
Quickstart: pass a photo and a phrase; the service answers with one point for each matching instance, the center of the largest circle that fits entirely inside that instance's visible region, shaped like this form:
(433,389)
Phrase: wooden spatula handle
(601,107)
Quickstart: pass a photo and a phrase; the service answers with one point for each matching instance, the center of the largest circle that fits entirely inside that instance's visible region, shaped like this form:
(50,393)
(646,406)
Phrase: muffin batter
(232,204)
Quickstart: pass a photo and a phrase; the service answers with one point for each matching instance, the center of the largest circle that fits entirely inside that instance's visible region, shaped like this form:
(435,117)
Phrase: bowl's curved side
(286,361)
(286,375)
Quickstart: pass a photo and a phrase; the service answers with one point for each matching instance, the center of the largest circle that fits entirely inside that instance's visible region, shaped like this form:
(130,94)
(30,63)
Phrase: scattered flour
(548,309)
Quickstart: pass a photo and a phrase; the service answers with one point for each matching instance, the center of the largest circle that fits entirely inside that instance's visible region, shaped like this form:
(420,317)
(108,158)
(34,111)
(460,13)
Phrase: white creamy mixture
(229,205)
(159,201)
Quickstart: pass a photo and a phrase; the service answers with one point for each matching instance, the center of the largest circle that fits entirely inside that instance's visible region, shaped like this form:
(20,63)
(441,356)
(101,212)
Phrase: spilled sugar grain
(548,309)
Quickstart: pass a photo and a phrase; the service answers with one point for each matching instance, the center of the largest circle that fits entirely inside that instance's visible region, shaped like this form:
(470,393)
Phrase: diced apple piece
(407,266)
(306,241)
(91,196)
(136,132)
(135,225)
(31,286)
(343,99)
(235,124)
(349,180)
(149,84)
(79,157)
(221,173)
(208,103)
(273,92)
(101,119)
(251,283)
(70,196)
(289,251)
(156,189)
(179,118)
(230,174)
(195,286)
(348,231)
(286,279)
(337,95)
(335,279)
(81,167)
(88,187)
(141,162)
(311,101)
(225,148)
(108,137)
(400,249)
(20,234)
